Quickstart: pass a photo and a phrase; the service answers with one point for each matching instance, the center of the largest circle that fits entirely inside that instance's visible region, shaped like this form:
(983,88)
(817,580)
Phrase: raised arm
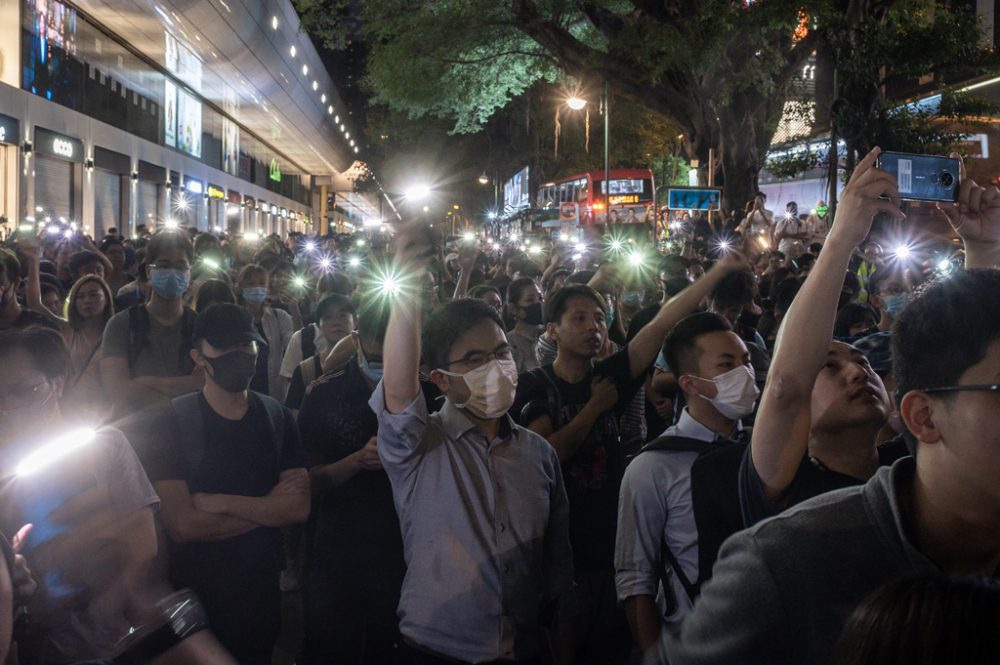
(466,263)
(644,347)
(781,431)
(976,218)
(402,338)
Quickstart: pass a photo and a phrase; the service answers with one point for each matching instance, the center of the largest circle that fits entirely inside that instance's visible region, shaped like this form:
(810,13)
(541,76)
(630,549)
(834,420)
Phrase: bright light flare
(52,228)
(360,242)
(535,249)
(326,264)
(903,252)
(310,246)
(580,246)
(762,242)
(417,192)
(68,233)
(468,236)
(299,281)
(55,450)
(636,259)
(251,236)
(576,103)
(211,263)
(944,265)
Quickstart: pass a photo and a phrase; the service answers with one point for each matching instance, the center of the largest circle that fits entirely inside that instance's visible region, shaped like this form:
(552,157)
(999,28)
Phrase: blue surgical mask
(894,305)
(169,283)
(255,295)
(372,371)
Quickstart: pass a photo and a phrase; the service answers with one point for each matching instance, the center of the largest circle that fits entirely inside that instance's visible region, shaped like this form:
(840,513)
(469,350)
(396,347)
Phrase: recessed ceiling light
(292,50)
(322,98)
(274,22)
(305,69)
(329,109)
(315,85)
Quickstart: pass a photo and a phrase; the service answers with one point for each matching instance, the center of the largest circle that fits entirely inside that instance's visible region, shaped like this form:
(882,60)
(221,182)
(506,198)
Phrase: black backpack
(714,498)
(308,341)
(138,334)
(187,411)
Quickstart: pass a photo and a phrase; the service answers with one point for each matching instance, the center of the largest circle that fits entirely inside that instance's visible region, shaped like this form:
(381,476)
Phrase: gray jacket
(782,591)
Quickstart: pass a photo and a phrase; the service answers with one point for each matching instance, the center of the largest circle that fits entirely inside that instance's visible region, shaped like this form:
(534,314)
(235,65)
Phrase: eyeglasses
(479,358)
(984,388)
(19,397)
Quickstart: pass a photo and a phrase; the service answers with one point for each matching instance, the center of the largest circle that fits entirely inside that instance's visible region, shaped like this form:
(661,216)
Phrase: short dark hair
(81,258)
(674,265)
(880,276)
(850,315)
(478,292)
(675,285)
(449,322)
(558,303)
(736,288)
(945,330)
(805,261)
(581,277)
(45,347)
(165,240)
(681,346)
(10,265)
(372,318)
(335,282)
(334,300)
(282,266)
(553,276)
(925,618)
(784,294)
(213,292)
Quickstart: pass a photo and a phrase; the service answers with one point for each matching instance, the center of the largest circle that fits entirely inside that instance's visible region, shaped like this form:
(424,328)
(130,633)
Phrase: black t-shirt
(240,457)
(641,320)
(593,475)
(811,480)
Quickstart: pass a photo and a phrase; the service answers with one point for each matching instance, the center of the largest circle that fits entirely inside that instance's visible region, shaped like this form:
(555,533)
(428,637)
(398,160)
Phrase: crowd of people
(769,444)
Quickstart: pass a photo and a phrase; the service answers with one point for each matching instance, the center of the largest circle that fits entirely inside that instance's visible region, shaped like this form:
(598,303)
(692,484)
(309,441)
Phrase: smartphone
(923,177)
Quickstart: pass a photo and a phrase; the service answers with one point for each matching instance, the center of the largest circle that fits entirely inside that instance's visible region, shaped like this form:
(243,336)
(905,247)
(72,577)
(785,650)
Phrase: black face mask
(533,314)
(233,371)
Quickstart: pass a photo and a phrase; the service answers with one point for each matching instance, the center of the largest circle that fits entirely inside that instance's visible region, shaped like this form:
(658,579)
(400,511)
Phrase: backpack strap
(676,444)
(308,341)
(311,369)
(275,423)
(552,402)
(187,409)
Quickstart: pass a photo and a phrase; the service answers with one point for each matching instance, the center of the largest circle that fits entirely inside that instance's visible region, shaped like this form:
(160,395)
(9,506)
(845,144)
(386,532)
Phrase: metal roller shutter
(54,187)
(107,201)
(147,210)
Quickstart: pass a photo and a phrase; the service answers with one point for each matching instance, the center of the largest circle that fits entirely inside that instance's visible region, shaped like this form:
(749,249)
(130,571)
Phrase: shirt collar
(690,428)
(455,424)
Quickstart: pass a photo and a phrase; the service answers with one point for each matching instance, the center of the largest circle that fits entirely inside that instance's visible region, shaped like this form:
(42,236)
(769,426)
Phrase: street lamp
(484,179)
(576,104)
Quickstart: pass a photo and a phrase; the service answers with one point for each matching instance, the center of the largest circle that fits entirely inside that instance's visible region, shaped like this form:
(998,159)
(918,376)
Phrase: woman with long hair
(89,306)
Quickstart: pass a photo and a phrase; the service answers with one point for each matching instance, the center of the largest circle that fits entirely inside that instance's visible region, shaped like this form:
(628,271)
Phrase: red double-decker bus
(581,198)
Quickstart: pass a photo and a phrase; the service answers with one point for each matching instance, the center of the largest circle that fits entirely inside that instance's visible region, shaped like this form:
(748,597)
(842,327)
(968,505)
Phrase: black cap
(225,325)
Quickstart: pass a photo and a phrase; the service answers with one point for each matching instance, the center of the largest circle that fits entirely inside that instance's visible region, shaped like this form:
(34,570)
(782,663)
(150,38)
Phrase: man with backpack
(575,403)
(145,355)
(229,468)
(302,364)
(658,510)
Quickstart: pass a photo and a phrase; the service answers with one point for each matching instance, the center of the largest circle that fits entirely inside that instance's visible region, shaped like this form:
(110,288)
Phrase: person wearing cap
(230,471)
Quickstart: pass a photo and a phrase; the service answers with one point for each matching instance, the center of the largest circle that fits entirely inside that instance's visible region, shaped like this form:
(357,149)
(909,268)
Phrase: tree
(719,70)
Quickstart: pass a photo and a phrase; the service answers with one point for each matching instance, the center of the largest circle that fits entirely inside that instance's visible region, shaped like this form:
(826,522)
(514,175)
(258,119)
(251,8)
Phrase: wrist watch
(180,616)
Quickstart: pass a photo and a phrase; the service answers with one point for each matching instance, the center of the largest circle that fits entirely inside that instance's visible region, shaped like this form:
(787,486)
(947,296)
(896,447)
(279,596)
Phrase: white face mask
(491,388)
(737,392)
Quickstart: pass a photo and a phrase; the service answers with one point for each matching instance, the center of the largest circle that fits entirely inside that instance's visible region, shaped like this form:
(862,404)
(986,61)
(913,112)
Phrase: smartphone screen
(923,177)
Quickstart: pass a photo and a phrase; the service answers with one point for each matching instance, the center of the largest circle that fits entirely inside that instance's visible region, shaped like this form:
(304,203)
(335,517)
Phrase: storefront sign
(284,213)
(194,186)
(274,171)
(627,198)
(274,209)
(58,145)
(694,198)
(9,129)
(215,192)
(234,197)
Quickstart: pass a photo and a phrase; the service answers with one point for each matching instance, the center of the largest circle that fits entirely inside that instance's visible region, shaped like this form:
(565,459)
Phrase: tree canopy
(718,70)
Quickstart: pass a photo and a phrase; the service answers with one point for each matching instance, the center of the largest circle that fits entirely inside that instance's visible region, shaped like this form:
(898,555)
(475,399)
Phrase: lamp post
(578,103)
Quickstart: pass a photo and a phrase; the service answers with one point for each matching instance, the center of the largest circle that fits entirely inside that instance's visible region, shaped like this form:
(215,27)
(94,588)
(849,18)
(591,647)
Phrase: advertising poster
(230,133)
(188,124)
(516,194)
(169,114)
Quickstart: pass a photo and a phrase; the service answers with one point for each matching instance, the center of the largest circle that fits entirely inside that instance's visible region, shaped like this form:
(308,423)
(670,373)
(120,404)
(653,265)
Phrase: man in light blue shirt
(481,502)
(655,506)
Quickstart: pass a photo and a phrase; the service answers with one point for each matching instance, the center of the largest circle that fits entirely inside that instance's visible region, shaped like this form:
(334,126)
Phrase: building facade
(215,114)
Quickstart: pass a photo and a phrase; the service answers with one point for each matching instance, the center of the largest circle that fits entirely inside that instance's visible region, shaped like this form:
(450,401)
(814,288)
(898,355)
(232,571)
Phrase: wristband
(180,617)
